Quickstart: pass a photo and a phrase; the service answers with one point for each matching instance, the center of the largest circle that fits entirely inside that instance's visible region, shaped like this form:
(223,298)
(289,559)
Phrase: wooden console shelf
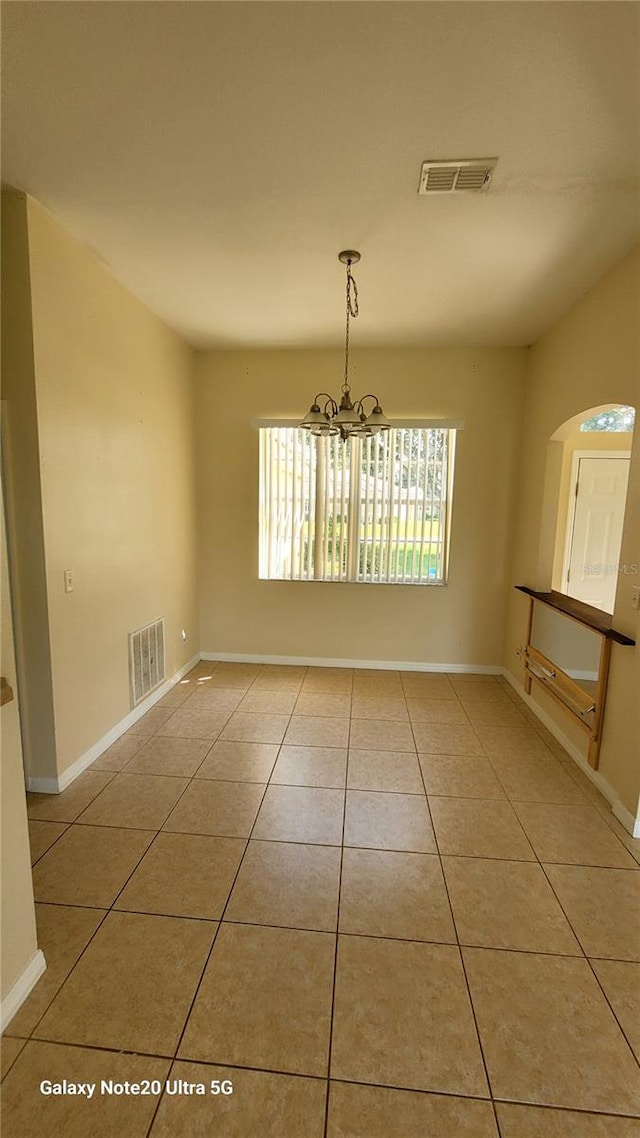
(595,619)
(584,700)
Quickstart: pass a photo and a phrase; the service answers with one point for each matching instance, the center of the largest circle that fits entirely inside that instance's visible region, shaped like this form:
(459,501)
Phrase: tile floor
(383,905)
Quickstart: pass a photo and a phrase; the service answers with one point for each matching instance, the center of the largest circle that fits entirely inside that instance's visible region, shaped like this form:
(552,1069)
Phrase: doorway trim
(573,494)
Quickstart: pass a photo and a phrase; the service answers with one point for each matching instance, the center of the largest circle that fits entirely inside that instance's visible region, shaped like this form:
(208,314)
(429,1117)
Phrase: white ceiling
(217,156)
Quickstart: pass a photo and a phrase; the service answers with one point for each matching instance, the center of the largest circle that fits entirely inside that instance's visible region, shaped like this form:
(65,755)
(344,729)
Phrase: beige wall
(115,420)
(462,623)
(590,358)
(21,472)
(17,915)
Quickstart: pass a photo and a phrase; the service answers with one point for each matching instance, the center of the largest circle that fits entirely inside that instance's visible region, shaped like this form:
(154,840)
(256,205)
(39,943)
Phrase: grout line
(193,779)
(322,1078)
(337,936)
(589,962)
(47,821)
(213,942)
(462,965)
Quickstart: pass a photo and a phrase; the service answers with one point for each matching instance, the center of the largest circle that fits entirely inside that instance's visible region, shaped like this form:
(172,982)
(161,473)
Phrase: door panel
(597,530)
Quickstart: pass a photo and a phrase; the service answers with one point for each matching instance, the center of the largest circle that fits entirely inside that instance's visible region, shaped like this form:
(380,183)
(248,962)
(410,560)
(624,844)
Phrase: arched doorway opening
(592,471)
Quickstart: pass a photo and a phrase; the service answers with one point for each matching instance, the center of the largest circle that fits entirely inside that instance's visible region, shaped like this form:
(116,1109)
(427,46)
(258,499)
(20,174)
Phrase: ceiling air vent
(456,177)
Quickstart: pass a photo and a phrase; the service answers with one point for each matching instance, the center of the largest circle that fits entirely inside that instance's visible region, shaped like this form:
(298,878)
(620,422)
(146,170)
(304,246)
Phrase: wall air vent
(146,660)
(452,177)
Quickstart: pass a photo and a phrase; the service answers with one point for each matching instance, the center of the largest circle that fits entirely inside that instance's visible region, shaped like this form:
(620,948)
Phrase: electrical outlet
(68,580)
(635,597)
(184,634)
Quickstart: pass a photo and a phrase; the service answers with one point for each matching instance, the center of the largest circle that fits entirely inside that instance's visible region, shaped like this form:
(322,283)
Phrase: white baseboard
(328,662)
(622,814)
(20,990)
(55,785)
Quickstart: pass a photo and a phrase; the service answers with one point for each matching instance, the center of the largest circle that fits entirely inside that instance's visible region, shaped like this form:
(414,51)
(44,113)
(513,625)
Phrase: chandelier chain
(351,310)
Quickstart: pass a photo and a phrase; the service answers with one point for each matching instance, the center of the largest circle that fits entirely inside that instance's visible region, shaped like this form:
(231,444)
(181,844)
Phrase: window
(371,510)
(617,419)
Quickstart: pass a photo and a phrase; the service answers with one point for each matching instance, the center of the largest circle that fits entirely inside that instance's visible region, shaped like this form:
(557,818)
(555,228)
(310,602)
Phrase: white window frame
(347,565)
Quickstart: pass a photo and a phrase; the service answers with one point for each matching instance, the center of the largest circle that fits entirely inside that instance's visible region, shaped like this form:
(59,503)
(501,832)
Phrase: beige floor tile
(484,693)
(205,669)
(265,1000)
(118,754)
(631,844)
(388,822)
(276,680)
(272,1106)
(379,707)
(133,987)
(478,827)
(169,756)
(138,800)
(332,704)
(394,895)
(42,835)
(195,724)
(376,1112)
(436,711)
(402,1017)
(603,906)
(268,702)
(620,980)
(222,701)
(377,682)
(460,776)
(282,883)
(462,680)
(311,766)
(89,865)
(547,1033)
(494,713)
(152,721)
(588,788)
(446,739)
(177,695)
(244,727)
(423,685)
(337,680)
(506,904)
(10,1048)
(539,1122)
(223,809)
(239,762)
(232,674)
(301,814)
(576,835)
(240,681)
(538,779)
(63,933)
(184,875)
(384,770)
(381,735)
(66,806)
(26,1112)
(317,731)
(513,742)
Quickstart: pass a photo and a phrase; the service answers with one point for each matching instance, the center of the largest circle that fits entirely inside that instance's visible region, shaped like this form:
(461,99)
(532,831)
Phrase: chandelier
(349,418)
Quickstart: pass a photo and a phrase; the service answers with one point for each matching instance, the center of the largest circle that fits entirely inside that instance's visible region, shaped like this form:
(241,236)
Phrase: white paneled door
(595,528)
